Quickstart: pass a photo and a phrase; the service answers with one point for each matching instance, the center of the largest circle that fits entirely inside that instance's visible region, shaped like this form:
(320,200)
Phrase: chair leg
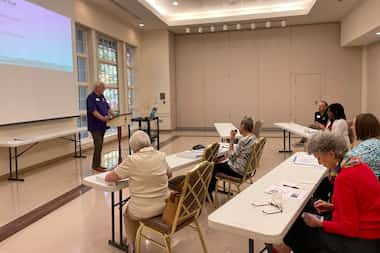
(198,228)
(216,202)
(138,238)
(167,243)
(208,196)
(229,191)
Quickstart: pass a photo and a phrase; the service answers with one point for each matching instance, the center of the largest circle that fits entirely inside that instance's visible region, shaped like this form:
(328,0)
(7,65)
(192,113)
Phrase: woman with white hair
(355,222)
(148,174)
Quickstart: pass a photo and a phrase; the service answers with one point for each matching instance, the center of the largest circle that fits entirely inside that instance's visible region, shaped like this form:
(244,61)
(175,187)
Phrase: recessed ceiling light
(225,27)
(378,33)
(187,30)
(253,26)
(212,28)
(175,3)
(141,25)
(267,24)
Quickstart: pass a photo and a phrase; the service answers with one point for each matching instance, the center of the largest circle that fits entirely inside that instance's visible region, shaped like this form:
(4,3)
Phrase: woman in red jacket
(355,222)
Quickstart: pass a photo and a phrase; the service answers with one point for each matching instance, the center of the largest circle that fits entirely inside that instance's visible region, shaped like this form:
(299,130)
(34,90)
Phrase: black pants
(221,168)
(324,190)
(98,137)
(304,239)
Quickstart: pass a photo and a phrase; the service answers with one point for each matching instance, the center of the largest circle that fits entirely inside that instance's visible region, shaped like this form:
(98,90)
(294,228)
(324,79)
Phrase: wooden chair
(209,154)
(190,204)
(257,128)
(249,172)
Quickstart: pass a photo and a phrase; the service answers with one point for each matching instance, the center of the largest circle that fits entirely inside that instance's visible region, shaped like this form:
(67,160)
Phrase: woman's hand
(312,221)
(322,206)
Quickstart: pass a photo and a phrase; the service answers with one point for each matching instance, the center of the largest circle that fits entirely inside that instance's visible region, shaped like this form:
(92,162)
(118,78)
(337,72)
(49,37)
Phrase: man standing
(97,116)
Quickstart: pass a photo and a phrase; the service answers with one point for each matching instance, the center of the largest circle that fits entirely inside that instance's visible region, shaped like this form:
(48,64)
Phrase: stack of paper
(305,160)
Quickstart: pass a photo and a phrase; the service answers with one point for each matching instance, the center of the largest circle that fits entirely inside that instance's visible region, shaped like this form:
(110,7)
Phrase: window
(111,159)
(130,78)
(82,75)
(108,70)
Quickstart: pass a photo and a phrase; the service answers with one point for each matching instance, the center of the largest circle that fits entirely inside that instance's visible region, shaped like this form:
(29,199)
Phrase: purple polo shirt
(96,103)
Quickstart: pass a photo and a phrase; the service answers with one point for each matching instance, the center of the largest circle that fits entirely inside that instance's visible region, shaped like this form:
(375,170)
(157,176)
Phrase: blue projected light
(33,36)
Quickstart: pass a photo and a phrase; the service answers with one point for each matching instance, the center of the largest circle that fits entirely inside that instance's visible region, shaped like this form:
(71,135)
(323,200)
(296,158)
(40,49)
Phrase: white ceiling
(138,11)
(195,12)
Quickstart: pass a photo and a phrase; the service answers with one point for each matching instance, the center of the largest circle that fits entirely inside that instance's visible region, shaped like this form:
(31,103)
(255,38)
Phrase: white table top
(175,163)
(225,128)
(296,129)
(26,139)
(240,217)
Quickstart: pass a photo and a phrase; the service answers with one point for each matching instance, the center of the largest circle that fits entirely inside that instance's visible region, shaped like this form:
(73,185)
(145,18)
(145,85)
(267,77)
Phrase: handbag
(171,208)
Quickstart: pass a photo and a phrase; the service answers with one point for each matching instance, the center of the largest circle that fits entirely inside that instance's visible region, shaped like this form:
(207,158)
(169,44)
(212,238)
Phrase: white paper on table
(191,154)
(102,178)
(305,160)
(286,192)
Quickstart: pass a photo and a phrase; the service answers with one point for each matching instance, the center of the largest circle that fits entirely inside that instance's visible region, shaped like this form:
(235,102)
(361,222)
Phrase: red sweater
(356,200)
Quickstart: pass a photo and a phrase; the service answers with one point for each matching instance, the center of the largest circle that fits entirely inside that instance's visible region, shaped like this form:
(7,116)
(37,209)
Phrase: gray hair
(324,142)
(99,84)
(139,140)
(247,123)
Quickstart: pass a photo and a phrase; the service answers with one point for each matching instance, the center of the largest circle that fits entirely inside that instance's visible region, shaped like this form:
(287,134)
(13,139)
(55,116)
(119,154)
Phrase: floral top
(369,152)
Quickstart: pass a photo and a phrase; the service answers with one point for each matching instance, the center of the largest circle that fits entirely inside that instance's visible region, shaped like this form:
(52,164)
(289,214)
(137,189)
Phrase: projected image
(33,36)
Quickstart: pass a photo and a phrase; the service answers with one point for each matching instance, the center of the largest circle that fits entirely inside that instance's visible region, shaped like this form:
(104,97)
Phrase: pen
(290,186)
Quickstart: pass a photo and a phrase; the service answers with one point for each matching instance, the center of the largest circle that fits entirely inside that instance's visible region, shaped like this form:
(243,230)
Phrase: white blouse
(340,127)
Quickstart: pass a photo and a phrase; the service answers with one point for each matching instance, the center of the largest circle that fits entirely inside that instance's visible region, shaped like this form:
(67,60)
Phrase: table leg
(119,141)
(120,245)
(148,129)
(113,217)
(121,216)
(158,134)
(78,146)
(251,245)
(289,150)
(16,155)
(10,162)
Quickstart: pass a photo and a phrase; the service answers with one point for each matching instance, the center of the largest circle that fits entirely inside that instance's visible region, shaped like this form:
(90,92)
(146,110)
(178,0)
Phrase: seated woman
(148,174)
(337,121)
(366,128)
(355,223)
(237,158)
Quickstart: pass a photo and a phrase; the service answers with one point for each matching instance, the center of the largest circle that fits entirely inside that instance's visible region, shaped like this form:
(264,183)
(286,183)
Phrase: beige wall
(223,76)
(157,75)
(91,16)
(359,25)
(373,78)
